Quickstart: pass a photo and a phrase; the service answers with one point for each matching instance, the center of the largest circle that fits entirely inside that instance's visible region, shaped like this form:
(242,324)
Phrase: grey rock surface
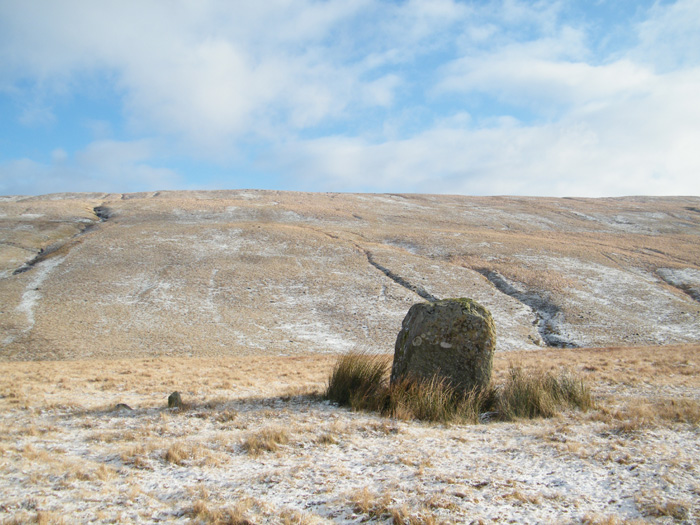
(451,338)
(175,400)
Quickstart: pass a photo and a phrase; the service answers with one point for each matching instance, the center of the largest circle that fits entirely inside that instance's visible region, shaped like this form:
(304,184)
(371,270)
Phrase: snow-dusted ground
(687,279)
(226,273)
(561,471)
(231,274)
(69,455)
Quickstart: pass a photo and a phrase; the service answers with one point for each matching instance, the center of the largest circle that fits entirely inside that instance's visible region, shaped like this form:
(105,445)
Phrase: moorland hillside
(266,272)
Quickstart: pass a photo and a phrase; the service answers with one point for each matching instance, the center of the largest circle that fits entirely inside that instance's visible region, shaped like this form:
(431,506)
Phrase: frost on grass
(272,453)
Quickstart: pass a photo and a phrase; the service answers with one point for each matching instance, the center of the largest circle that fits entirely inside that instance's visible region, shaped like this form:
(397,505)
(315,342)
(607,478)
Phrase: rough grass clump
(203,511)
(434,399)
(358,380)
(368,502)
(266,440)
(530,394)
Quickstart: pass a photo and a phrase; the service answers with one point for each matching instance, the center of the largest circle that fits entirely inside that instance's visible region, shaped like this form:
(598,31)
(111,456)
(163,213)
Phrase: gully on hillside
(102,213)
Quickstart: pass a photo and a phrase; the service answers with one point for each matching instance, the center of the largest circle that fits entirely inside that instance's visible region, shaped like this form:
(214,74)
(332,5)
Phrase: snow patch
(614,300)
(32,293)
(687,279)
(319,334)
(549,318)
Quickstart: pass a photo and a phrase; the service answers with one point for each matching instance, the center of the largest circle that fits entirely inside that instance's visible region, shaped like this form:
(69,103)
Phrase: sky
(547,98)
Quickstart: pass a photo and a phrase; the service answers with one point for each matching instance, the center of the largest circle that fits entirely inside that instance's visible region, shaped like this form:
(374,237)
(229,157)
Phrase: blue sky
(551,98)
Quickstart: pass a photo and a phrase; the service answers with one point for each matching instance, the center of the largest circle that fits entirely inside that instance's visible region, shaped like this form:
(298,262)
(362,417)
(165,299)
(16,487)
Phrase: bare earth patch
(255,445)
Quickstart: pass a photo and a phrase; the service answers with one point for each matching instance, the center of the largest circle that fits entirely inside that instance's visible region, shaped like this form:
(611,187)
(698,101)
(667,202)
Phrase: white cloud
(209,78)
(670,37)
(618,127)
(103,166)
(642,143)
(206,71)
(541,84)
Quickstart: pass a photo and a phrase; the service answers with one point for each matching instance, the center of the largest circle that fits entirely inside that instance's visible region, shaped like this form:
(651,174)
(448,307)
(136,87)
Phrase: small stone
(174,400)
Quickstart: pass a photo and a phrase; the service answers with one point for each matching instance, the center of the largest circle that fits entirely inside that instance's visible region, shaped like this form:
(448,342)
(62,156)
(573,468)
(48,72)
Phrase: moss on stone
(451,338)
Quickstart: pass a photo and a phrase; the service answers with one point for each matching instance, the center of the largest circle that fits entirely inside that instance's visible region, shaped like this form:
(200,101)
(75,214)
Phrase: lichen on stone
(451,338)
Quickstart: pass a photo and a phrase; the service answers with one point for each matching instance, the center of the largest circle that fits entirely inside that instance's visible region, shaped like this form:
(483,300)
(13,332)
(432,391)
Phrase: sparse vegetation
(366,501)
(534,394)
(202,511)
(63,443)
(638,413)
(359,381)
(266,440)
(179,453)
(659,508)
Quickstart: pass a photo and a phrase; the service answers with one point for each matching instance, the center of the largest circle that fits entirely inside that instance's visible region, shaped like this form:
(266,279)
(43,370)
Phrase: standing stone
(451,338)
(174,400)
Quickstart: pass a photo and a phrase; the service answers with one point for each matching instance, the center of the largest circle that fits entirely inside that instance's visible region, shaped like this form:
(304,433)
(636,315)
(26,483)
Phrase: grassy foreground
(255,444)
(359,380)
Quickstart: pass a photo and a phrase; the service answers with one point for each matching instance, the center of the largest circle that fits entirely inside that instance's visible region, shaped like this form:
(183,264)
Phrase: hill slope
(237,272)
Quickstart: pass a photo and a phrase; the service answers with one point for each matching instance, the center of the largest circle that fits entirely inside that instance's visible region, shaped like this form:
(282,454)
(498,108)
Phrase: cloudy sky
(571,97)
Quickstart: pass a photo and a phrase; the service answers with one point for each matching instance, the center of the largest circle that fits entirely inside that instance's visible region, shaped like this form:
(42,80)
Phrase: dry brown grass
(535,277)
(656,506)
(41,517)
(295,517)
(673,365)
(636,250)
(203,381)
(418,237)
(180,453)
(638,413)
(520,497)
(381,506)
(366,501)
(402,515)
(240,513)
(265,440)
(71,384)
(63,434)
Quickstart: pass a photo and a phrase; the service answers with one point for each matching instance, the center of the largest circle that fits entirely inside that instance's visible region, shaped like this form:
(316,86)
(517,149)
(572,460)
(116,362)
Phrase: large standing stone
(452,338)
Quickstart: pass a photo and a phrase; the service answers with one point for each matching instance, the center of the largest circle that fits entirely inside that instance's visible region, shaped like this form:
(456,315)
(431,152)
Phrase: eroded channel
(549,316)
(101,212)
(400,280)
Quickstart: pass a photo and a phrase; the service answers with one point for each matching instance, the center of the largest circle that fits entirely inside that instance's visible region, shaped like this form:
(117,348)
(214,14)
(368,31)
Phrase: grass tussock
(360,382)
(366,501)
(202,511)
(527,395)
(266,440)
(434,399)
(179,453)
